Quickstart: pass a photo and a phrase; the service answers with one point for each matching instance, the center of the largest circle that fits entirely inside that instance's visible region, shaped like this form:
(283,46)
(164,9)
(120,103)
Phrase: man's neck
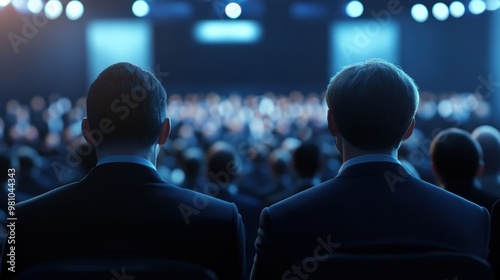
(148,154)
(350,152)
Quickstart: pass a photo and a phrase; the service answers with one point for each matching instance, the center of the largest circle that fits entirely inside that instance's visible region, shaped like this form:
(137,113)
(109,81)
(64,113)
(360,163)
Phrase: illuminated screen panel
(227,32)
(355,41)
(112,41)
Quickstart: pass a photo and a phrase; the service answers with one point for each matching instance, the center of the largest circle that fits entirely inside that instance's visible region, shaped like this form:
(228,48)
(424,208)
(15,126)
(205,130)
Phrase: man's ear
(332,125)
(87,134)
(409,131)
(165,132)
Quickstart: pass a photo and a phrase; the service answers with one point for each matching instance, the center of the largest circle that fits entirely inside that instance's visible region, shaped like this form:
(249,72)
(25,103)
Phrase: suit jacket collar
(123,172)
(375,168)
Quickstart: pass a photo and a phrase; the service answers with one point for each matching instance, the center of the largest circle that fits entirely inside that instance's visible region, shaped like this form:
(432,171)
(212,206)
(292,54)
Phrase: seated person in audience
(488,138)
(123,208)
(306,162)
(457,163)
(280,164)
(373,204)
(494,257)
(224,167)
(192,165)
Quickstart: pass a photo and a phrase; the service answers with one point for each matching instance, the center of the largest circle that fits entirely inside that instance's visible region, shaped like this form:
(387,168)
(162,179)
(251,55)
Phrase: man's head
(223,162)
(489,139)
(372,105)
(456,157)
(126,108)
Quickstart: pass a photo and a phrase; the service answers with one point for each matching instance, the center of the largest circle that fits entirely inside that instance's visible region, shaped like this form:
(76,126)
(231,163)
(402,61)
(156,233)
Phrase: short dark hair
(373,103)
(131,100)
(456,155)
(306,160)
(222,158)
(488,138)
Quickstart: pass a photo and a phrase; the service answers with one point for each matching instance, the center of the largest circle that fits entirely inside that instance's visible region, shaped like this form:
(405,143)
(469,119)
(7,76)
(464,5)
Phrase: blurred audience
(457,162)
(224,168)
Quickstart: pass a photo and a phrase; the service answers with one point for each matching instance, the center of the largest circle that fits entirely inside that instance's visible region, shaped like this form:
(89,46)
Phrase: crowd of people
(255,151)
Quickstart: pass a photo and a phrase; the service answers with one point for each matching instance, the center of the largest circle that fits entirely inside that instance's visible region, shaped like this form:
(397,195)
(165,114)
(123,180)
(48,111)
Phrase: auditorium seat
(119,269)
(429,266)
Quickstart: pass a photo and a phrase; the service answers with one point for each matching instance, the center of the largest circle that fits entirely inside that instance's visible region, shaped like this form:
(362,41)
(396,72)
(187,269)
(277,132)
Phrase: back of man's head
(489,139)
(456,156)
(223,163)
(306,160)
(373,104)
(126,106)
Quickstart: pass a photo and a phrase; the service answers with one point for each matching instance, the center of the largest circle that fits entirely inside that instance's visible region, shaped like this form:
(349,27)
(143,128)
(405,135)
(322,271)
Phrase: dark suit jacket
(128,210)
(369,205)
(494,256)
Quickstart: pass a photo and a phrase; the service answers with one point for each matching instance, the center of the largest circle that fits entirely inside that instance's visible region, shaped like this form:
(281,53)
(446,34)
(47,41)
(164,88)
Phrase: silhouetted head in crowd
(126,113)
(456,159)
(488,138)
(306,160)
(279,161)
(192,162)
(223,163)
(372,106)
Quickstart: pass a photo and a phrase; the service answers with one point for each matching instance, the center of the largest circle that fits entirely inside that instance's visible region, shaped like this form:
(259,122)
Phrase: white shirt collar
(126,158)
(369,158)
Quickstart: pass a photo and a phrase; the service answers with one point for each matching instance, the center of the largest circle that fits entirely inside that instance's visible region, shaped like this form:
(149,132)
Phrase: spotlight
(477,7)
(419,13)
(233,10)
(140,8)
(74,10)
(354,9)
(35,6)
(440,11)
(53,9)
(4,3)
(457,9)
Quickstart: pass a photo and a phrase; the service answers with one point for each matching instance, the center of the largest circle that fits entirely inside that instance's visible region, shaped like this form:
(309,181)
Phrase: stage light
(4,3)
(457,9)
(440,11)
(53,9)
(233,10)
(74,10)
(35,6)
(477,7)
(492,5)
(354,9)
(19,5)
(419,13)
(140,8)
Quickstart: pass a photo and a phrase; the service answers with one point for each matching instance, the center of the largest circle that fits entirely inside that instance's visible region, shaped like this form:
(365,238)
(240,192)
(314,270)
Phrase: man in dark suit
(123,208)
(373,204)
